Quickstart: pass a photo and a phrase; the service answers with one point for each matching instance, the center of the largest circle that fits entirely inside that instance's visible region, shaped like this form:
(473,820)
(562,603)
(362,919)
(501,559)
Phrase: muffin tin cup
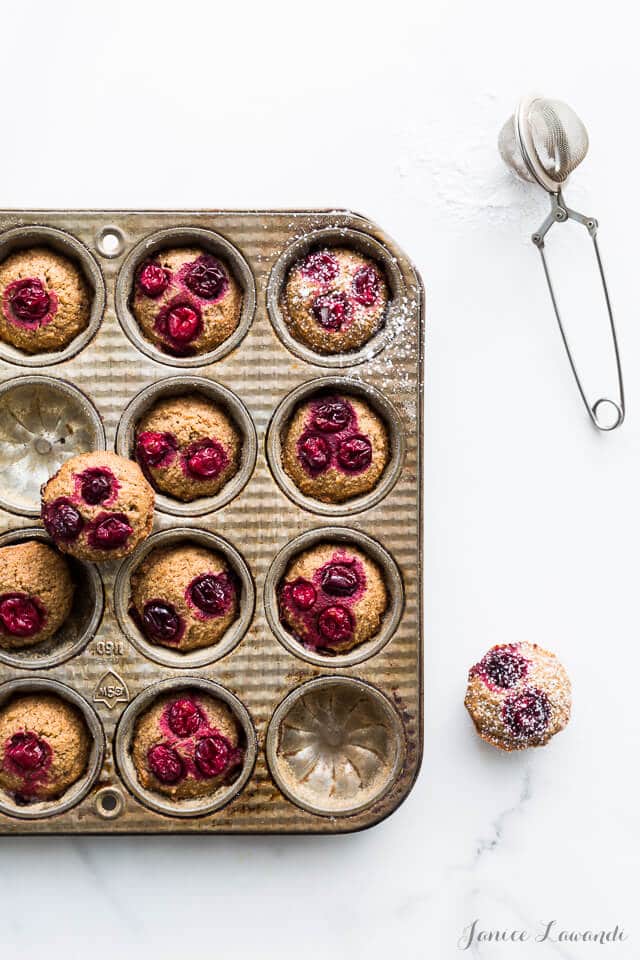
(330,738)
(51,402)
(179,386)
(184,237)
(278,426)
(21,238)
(203,656)
(198,807)
(78,790)
(83,621)
(361,243)
(393,582)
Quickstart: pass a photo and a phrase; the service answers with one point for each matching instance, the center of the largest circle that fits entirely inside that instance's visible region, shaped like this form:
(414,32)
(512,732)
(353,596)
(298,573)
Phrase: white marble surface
(532,517)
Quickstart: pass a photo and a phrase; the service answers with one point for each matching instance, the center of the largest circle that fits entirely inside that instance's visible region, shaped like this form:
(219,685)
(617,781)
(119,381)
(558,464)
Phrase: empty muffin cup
(335,746)
(81,624)
(194,806)
(392,581)
(213,244)
(24,238)
(343,386)
(201,656)
(37,809)
(227,401)
(368,247)
(43,422)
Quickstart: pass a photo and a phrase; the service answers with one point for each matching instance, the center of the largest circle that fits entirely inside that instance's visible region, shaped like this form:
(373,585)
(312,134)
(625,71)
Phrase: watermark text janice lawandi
(549,931)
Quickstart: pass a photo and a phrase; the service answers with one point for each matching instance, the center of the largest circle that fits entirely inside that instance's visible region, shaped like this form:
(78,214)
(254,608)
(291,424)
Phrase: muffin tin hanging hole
(196,807)
(204,655)
(109,803)
(78,790)
(82,623)
(212,243)
(335,746)
(171,387)
(110,242)
(43,422)
(22,238)
(342,385)
(392,579)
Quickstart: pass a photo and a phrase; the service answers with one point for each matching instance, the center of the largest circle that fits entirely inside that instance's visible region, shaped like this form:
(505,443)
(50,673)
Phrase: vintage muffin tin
(332,744)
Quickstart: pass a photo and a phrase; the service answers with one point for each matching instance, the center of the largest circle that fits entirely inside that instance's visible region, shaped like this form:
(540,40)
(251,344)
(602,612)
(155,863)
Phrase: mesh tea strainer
(544,142)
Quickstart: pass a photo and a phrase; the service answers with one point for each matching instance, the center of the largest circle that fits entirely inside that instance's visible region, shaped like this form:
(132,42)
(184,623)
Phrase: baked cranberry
(332,310)
(206,278)
(212,755)
(161,622)
(314,452)
(340,580)
(28,752)
(109,531)
(184,717)
(205,459)
(63,522)
(155,449)
(179,324)
(503,667)
(366,285)
(527,713)
(302,593)
(331,415)
(20,615)
(153,279)
(336,624)
(96,485)
(165,763)
(321,266)
(211,593)
(29,300)
(355,453)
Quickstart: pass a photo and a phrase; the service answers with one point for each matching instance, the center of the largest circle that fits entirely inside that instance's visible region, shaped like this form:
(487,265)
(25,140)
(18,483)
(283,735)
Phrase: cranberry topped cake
(186,301)
(45,301)
(335,300)
(98,506)
(187,447)
(187,745)
(332,598)
(518,696)
(336,447)
(36,593)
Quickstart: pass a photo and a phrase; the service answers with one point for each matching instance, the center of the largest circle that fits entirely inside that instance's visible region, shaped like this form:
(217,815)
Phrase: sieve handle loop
(561,213)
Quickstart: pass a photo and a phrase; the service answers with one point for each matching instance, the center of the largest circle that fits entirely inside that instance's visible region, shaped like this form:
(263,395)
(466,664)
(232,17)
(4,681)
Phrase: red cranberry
(321,266)
(63,522)
(153,279)
(183,323)
(206,278)
(366,285)
(302,593)
(165,763)
(503,667)
(527,713)
(183,717)
(109,531)
(211,593)
(336,624)
(205,459)
(155,449)
(28,752)
(340,580)
(314,452)
(212,755)
(332,310)
(331,415)
(96,485)
(29,300)
(20,615)
(355,453)
(161,623)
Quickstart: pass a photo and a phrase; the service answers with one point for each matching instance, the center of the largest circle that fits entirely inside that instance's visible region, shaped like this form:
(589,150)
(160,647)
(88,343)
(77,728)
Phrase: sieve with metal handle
(544,142)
